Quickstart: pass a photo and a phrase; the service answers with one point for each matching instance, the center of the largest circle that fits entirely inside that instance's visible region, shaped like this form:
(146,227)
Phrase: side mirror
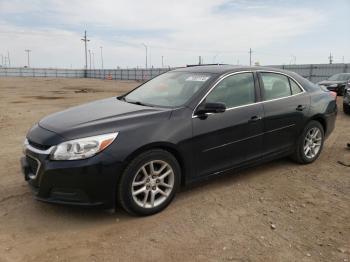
(205,108)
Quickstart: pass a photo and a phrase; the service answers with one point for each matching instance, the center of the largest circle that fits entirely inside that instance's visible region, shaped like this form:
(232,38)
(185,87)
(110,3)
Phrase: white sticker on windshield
(198,78)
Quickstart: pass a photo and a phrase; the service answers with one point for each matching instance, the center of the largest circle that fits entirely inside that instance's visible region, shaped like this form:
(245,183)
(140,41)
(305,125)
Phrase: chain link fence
(313,72)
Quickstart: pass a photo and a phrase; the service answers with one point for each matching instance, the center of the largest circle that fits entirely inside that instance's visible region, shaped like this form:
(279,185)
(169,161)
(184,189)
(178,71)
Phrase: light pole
(90,59)
(162,61)
(2,60)
(93,60)
(8,57)
(28,59)
(101,58)
(250,56)
(146,48)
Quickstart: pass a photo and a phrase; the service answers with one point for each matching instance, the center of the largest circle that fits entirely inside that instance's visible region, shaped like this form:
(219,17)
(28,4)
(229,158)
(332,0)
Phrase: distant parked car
(336,82)
(180,127)
(346,100)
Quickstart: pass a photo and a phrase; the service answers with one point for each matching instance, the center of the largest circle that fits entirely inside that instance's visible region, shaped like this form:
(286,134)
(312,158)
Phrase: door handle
(300,107)
(255,118)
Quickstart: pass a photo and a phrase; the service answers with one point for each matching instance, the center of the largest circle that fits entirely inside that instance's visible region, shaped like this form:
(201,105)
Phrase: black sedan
(346,100)
(189,124)
(336,82)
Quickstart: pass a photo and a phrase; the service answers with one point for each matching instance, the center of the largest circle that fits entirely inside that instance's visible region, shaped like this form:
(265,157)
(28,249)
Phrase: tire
(346,109)
(309,148)
(138,185)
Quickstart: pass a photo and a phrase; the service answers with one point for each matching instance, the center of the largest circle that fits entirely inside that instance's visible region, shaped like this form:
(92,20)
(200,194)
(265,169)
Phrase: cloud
(219,30)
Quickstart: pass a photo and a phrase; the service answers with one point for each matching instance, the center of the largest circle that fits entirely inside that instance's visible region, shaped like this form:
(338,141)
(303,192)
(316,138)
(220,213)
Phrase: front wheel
(310,143)
(149,182)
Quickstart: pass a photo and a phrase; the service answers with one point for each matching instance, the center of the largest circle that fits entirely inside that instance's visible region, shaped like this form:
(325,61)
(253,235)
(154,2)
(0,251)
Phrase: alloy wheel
(153,184)
(312,142)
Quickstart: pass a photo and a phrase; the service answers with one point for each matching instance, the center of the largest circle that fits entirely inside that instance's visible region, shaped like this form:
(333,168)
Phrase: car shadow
(91,215)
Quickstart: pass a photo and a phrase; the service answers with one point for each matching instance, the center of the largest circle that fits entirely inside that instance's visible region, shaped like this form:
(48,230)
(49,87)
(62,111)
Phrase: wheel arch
(169,147)
(321,120)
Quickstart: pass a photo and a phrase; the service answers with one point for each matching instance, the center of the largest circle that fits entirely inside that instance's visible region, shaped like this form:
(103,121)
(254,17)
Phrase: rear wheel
(149,182)
(310,143)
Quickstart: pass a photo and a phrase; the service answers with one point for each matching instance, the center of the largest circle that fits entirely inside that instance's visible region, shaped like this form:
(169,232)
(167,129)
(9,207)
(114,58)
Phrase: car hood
(328,82)
(98,117)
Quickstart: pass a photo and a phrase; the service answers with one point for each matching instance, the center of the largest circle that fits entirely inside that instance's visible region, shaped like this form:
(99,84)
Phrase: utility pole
(162,61)
(199,60)
(2,60)
(93,60)
(90,59)
(250,56)
(28,59)
(146,48)
(101,57)
(330,58)
(85,40)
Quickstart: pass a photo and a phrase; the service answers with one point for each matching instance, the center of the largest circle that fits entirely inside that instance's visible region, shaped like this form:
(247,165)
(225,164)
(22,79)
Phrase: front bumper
(88,182)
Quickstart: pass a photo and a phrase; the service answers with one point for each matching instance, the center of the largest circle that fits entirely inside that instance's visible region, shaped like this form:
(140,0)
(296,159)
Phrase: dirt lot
(225,219)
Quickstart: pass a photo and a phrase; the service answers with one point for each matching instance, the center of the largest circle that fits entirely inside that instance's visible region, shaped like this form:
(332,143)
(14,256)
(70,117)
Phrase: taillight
(333,94)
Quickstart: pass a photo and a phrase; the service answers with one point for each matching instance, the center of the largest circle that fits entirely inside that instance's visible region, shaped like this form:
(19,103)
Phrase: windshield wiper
(136,103)
(133,102)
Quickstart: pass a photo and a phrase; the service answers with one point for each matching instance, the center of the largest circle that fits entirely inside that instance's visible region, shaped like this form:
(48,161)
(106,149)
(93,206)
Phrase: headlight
(82,148)
(333,85)
(25,144)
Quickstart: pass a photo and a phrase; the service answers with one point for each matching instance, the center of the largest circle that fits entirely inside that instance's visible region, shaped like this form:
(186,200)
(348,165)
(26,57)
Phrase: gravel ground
(280,211)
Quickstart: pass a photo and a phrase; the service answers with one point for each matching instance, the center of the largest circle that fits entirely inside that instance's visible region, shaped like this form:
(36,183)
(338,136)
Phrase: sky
(221,31)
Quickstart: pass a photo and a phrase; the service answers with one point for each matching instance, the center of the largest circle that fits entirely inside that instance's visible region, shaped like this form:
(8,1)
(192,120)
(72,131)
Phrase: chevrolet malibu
(138,149)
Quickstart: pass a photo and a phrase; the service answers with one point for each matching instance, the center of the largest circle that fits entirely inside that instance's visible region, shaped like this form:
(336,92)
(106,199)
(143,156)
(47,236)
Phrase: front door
(224,140)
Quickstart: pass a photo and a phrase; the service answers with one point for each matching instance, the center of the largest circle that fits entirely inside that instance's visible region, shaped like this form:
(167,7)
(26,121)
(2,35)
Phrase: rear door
(285,105)
(224,140)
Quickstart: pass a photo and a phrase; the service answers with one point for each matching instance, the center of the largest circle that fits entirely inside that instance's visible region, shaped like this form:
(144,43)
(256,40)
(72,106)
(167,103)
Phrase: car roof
(225,69)
(222,69)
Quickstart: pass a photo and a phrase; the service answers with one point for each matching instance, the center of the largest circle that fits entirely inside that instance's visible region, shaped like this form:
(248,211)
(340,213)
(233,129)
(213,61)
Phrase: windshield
(171,89)
(339,77)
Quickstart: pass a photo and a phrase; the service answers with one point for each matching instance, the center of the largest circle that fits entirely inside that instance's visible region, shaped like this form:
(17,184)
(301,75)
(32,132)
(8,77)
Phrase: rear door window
(275,86)
(294,87)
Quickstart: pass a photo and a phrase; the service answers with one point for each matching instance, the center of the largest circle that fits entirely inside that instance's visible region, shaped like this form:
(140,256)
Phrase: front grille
(33,165)
(38,146)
